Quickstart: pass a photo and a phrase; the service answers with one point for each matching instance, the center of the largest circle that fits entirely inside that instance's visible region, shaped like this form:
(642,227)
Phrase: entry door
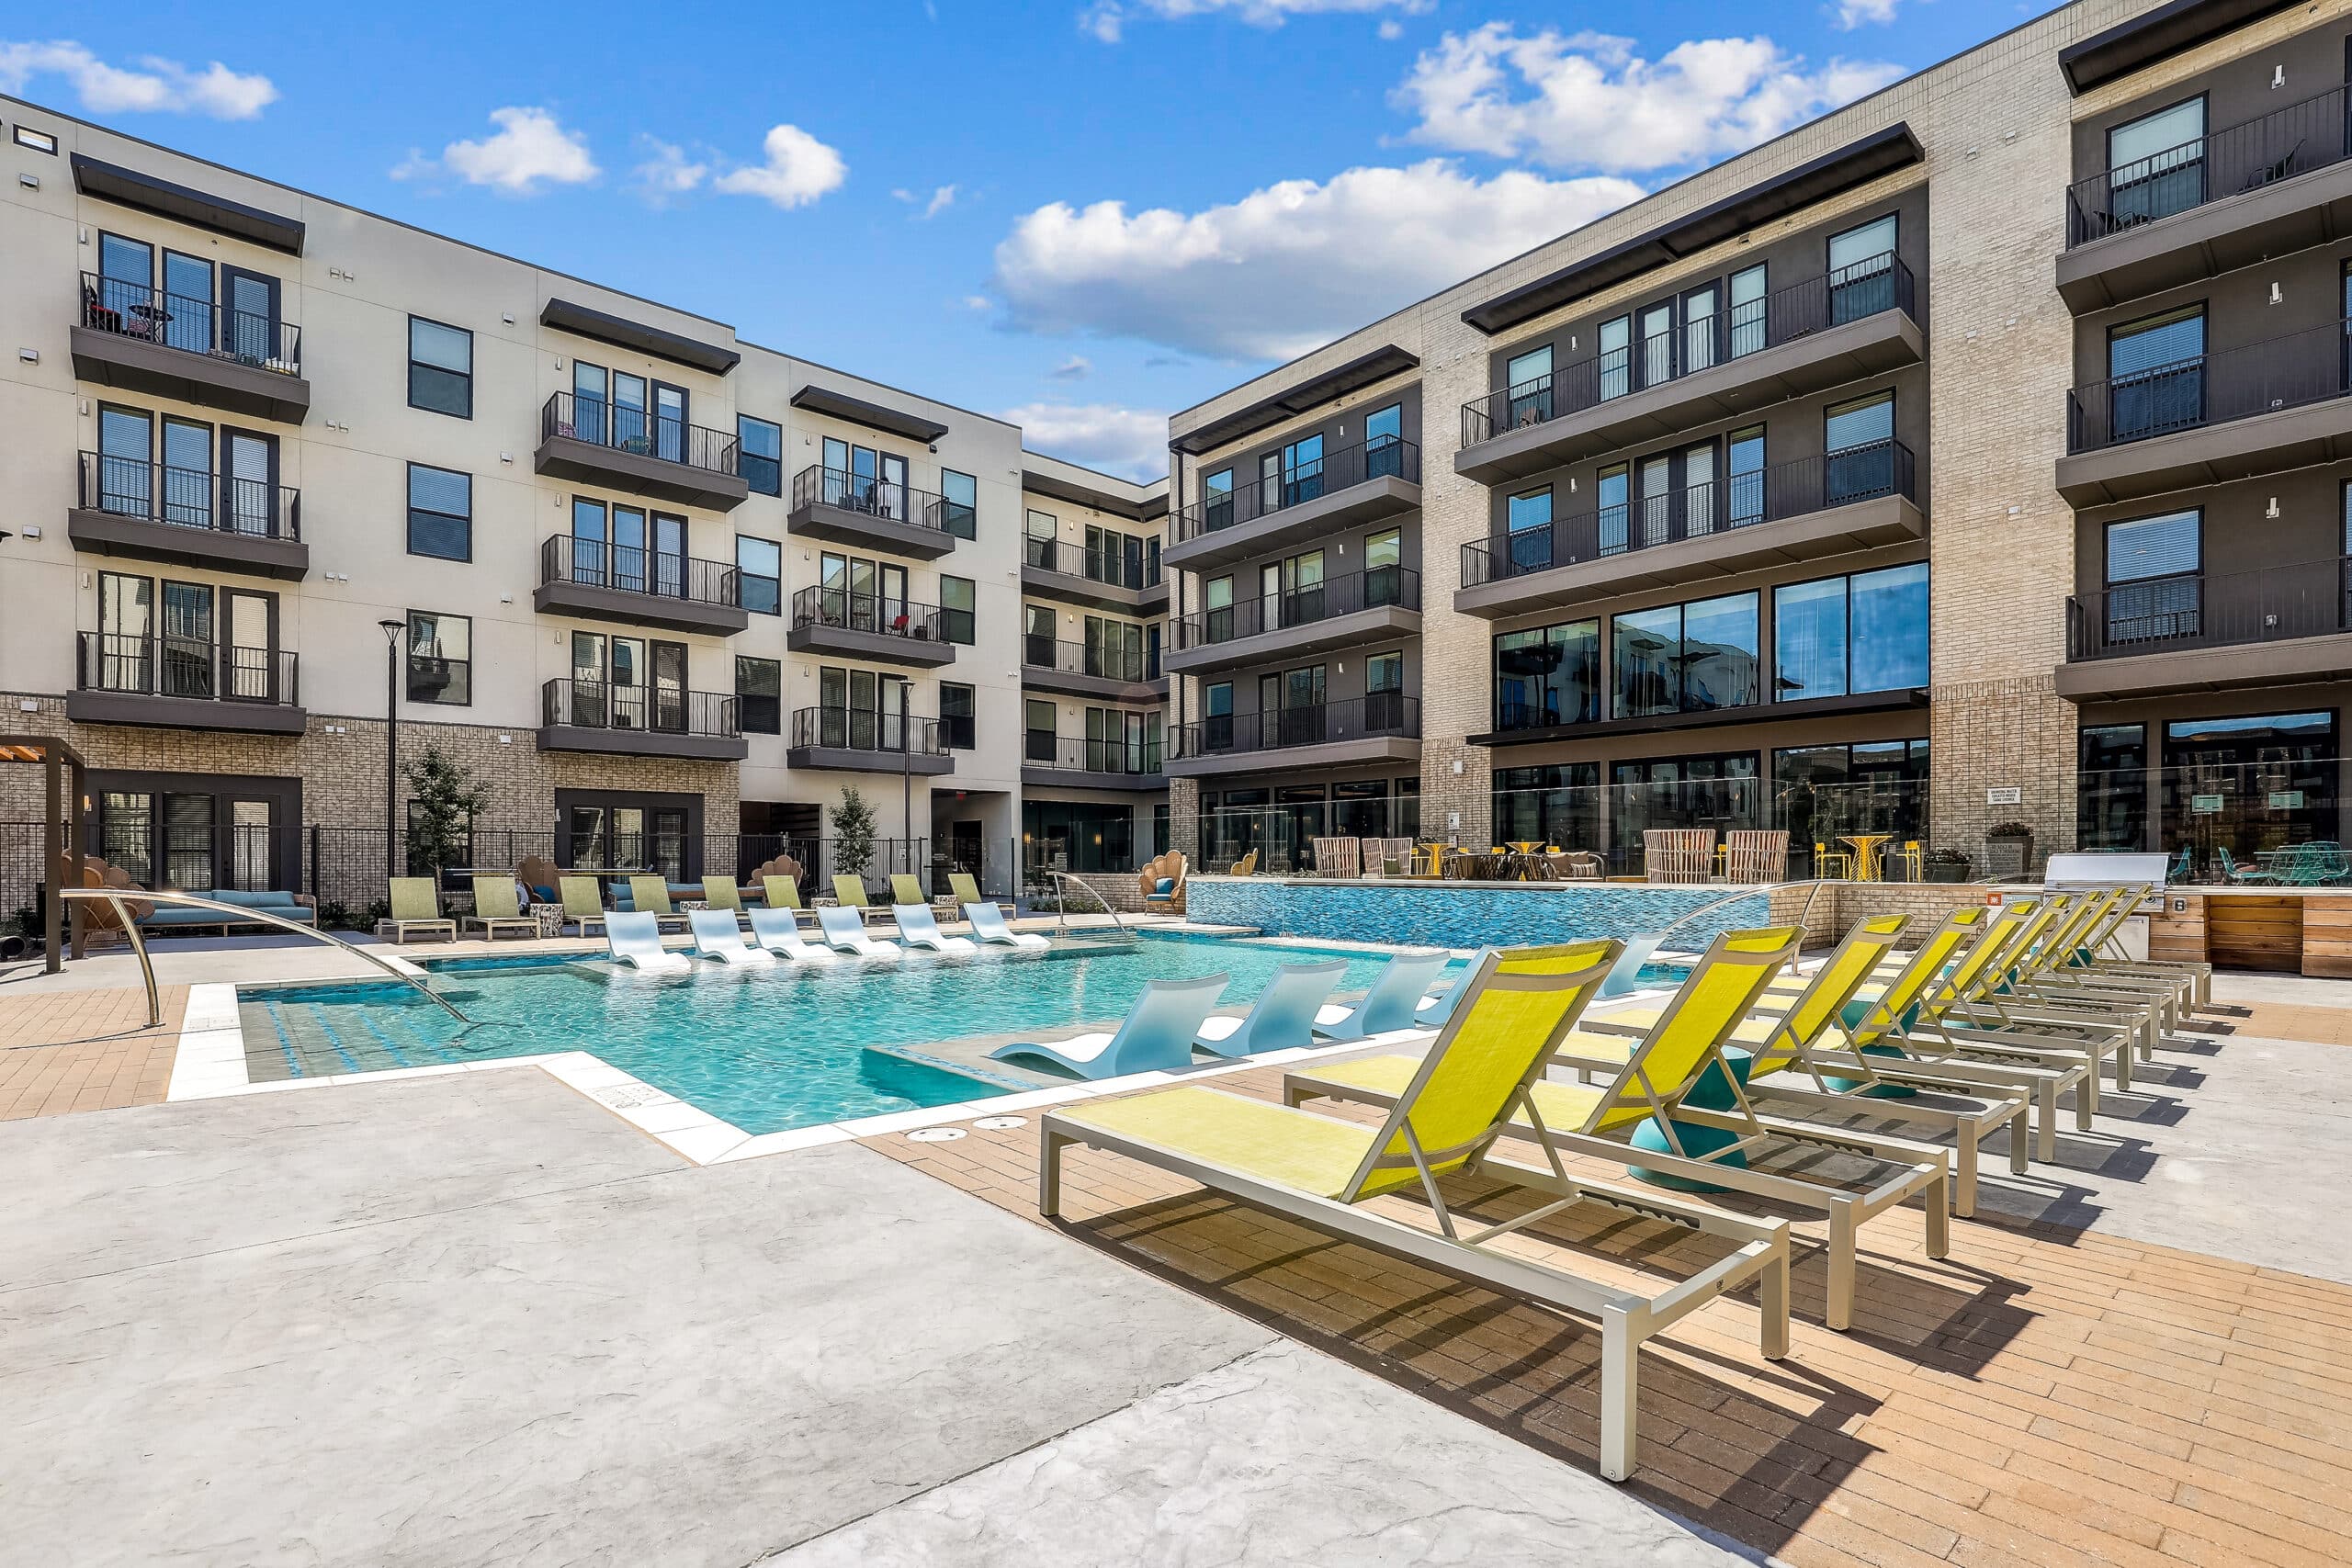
(1657,500)
(891,502)
(1699,490)
(669,541)
(187,473)
(187,309)
(187,669)
(630,432)
(248,672)
(628,682)
(630,564)
(591,693)
(248,501)
(1657,344)
(669,423)
(669,688)
(1303,706)
(249,326)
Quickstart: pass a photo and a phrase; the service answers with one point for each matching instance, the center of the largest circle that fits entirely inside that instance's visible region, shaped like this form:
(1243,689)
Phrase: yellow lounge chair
(720,893)
(1701,1137)
(849,892)
(416,906)
(497,910)
(583,902)
(650,895)
(1447,1114)
(784,893)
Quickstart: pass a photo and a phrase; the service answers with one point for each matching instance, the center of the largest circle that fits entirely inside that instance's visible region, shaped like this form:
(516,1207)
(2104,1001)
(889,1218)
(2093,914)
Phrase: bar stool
(1825,858)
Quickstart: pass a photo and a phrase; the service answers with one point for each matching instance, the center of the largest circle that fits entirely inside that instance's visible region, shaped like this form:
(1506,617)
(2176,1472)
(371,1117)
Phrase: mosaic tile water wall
(1458,915)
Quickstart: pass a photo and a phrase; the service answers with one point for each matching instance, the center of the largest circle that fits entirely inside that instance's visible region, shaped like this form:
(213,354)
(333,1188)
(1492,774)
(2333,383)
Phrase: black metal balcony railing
(194,668)
(1076,754)
(1372,590)
(1311,481)
(2242,157)
(867,730)
(2211,610)
(877,613)
(189,498)
(1088,659)
(632,569)
(638,432)
(1850,293)
(2302,368)
(1378,715)
(1767,495)
(1110,567)
(838,488)
(656,710)
(193,325)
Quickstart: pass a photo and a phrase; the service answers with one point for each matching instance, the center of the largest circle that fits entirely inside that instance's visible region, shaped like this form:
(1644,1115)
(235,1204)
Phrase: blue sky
(1082,213)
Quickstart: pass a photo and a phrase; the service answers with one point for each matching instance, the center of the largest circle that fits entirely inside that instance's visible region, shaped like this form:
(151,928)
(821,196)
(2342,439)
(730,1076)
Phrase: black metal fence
(845,491)
(633,568)
(1382,586)
(184,667)
(1137,664)
(2246,156)
(1077,754)
(2309,366)
(1308,481)
(867,730)
(883,614)
(639,432)
(664,710)
(190,323)
(2219,609)
(1116,568)
(189,498)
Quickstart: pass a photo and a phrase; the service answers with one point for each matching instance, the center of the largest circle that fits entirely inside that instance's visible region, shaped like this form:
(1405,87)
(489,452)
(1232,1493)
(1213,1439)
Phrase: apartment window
(440,659)
(1744,498)
(1747,330)
(1694,658)
(2156,165)
(440,368)
(1529,518)
(1862,270)
(759,574)
(1548,675)
(1113,648)
(1827,792)
(955,606)
(1217,606)
(1384,442)
(1216,717)
(2111,787)
(440,512)
(1841,635)
(1859,437)
(1612,491)
(1528,377)
(1038,732)
(759,696)
(760,454)
(955,713)
(1554,803)
(1384,692)
(1216,500)
(1383,568)
(862,479)
(2156,370)
(39,141)
(962,495)
(1038,535)
(2154,583)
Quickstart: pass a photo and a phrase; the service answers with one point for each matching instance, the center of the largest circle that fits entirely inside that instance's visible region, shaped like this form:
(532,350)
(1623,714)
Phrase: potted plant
(1945,865)
(2008,851)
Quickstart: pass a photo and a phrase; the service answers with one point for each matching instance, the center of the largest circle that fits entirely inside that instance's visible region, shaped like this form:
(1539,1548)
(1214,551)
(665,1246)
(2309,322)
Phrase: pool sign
(2286,800)
(2013,796)
(2205,804)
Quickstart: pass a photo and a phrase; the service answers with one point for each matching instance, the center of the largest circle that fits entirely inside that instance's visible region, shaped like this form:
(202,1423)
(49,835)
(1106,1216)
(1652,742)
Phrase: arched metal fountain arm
(1062,879)
(242,915)
(1764,889)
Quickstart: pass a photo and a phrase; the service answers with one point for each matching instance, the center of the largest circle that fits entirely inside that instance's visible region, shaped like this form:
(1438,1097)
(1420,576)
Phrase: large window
(1862,270)
(956,714)
(2244,785)
(2154,586)
(2156,165)
(1820,794)
(759,573)
(759,696)
(440,512)
(1038,732)
(956,597)
(1039,534)
(1842,635)
(962,495)
(1693,658)
(759,454)
(2111,787)
(1548,675)
(1859,437)
(1558,803)
(1530,519)
(440,368)
(2155,370)
(440,657)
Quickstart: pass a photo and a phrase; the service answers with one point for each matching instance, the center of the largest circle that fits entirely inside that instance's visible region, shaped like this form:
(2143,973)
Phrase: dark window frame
(958,731)
(746,460)
(410,660)
(745,699)
(414,365)
(745,576)
(949,623)
(408,487)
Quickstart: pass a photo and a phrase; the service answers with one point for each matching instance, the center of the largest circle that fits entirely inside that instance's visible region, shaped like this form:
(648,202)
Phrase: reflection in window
(1548,675)
(1695,658)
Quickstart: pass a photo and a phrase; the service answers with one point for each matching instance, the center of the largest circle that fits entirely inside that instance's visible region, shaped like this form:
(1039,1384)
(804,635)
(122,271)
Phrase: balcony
(1857,321)
(873,626)
(129,507)
(174,682)
(1066,761)
(1382,728)
(599,581)
(2207,419)
(638,452)
(1812,509)
(2209,632)
(141,339)
(1100,580)
(639,721)
(2263,187)
(862,741)
(1379,606)
(1088,670)
(844,508)
(1346,488)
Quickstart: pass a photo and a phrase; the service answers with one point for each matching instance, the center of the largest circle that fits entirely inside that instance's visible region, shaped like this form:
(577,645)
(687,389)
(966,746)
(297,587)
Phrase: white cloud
(1106,19)
(667,172)
(1586,100)
(1129,441)
(978,302)
(1392,29)
(1852,13)
(1285,268)
(529,149)
(157,86)
(799,170)
(941,199)
(1076,367)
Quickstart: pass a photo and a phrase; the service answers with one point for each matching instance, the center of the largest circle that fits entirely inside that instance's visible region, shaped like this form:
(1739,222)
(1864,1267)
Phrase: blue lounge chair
(1156,1037)
(1444,997)
(1392,1003)
(988,924)
(719,936)
(844,931)
(1282,1018)
(634,938)
(776,932)
(918,927)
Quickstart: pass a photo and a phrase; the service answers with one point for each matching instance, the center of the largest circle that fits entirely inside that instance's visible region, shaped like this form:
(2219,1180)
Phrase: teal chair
(2232,872)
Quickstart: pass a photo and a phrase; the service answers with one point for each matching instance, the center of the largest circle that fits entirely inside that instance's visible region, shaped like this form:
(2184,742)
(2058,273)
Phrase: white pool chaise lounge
(918,927)
(1395,1001)
(845,930)
(718,936)
(1282,1017)
(988,924)
(1156,1036)
(777,931)
(634,939)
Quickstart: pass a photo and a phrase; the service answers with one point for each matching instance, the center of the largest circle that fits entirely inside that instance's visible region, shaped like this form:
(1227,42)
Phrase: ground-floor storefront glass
(2217,795)
(1282,821)
(194,832)
(1078,835)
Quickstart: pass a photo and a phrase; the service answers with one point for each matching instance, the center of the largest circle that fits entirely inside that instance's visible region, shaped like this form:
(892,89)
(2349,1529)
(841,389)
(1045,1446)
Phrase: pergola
(61,829)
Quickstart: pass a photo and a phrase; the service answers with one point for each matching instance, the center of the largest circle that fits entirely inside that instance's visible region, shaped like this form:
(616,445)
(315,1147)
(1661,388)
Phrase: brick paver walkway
(63,1051)
(2041,1397)
(2294,1021)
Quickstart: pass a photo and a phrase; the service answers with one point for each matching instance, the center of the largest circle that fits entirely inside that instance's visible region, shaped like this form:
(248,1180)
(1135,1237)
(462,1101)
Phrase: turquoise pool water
(766,1049)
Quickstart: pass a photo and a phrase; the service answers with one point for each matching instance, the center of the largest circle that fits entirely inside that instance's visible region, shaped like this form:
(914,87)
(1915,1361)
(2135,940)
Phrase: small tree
(444,799)
(853,833)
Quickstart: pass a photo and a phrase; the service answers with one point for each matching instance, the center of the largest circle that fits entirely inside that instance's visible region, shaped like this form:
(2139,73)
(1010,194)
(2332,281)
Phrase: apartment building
(278,464)
(1980,452)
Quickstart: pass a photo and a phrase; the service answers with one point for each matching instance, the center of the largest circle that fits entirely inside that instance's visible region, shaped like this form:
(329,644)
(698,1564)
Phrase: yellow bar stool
(1828,863)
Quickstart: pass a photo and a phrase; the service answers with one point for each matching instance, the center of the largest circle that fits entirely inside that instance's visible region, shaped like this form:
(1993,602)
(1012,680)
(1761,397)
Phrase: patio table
(1866,857)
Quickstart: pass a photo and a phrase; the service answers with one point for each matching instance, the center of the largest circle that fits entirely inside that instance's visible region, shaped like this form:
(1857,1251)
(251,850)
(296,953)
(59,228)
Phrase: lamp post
(906,780)
(392,630)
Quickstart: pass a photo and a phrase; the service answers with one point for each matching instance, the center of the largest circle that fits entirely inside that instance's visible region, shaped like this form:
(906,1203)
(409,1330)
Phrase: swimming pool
(767,1049)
